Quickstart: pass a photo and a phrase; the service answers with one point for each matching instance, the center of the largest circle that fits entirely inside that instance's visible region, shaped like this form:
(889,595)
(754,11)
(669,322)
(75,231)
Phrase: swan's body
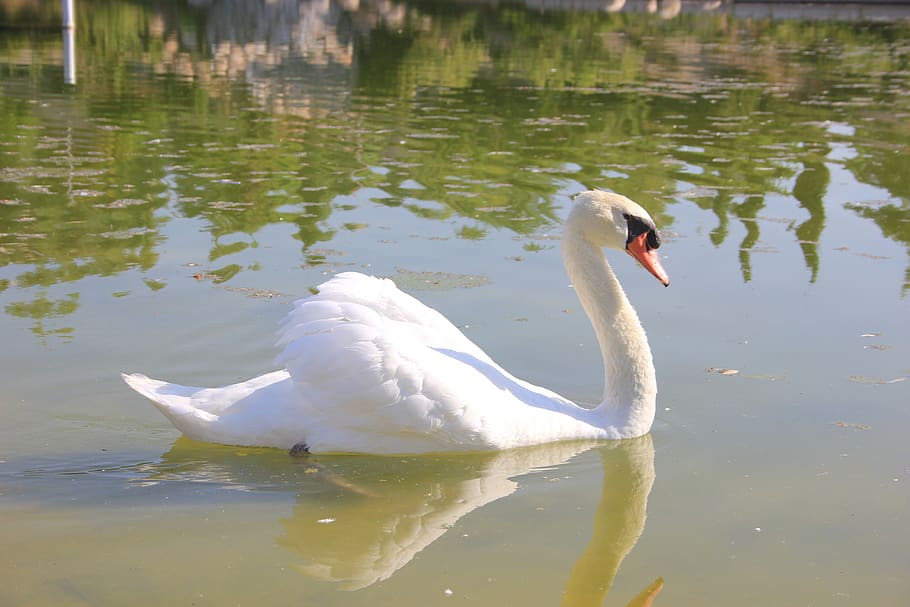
(368,368)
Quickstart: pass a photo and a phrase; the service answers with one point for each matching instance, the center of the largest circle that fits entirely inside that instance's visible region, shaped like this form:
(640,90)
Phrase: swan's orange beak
(647,257)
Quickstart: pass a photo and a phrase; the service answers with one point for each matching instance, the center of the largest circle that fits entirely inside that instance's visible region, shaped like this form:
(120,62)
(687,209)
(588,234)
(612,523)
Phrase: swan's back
(364,300)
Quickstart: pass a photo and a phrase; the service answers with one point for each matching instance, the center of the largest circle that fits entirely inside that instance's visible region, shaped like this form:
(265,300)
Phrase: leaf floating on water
(410,279)
(862,379)
(255,293)
(854,426)
(721,371)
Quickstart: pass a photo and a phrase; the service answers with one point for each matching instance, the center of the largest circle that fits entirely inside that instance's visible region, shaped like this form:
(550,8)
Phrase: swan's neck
(630,386)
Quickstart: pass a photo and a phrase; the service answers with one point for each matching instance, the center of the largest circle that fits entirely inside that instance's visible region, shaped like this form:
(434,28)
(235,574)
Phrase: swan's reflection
(628,468)
(357,520)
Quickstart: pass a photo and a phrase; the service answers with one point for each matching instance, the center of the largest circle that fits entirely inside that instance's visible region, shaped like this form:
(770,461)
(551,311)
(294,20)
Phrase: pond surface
(216,160)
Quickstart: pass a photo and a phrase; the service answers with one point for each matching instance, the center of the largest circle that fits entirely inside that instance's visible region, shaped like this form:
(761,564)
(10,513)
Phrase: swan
(370,369)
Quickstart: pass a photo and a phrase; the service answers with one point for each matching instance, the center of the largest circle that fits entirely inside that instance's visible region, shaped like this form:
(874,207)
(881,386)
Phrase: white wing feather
(368,359)
(382,372)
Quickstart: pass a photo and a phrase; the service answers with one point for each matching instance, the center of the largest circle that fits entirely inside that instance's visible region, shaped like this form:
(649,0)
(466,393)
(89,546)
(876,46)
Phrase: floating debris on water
(255,293)
(410,279)
(854,426)
(862,379)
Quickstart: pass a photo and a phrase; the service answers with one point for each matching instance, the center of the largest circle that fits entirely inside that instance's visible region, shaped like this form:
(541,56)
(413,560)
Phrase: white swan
(370,369)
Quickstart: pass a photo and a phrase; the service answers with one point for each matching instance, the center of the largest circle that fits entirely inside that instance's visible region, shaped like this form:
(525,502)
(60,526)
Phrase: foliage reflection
(244,115)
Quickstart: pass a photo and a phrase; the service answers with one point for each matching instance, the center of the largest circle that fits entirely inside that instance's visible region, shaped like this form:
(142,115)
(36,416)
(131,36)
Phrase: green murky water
(214,161)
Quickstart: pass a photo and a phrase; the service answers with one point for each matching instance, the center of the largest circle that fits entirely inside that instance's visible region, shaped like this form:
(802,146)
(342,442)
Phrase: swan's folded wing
(377,371)
(365,388)
(371,365)
(355,296)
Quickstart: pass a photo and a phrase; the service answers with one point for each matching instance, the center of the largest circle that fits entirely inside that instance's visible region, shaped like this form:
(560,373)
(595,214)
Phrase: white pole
(69,42)
(69,16)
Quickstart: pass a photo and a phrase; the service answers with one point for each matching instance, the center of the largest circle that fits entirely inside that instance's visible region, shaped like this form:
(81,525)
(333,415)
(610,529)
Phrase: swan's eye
(653,239)
(637,226)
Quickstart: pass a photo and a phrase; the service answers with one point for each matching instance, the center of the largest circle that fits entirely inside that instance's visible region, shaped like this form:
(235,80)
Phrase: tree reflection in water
(240,116)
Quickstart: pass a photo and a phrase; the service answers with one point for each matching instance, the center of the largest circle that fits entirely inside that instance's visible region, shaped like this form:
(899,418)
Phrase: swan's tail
(176,402)
(250,413)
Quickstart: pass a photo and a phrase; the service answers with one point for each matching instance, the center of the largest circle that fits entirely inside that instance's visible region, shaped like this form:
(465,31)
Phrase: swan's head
(611,220)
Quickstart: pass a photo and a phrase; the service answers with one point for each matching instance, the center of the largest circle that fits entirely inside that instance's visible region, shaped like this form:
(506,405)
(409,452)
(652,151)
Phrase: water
(214,162)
